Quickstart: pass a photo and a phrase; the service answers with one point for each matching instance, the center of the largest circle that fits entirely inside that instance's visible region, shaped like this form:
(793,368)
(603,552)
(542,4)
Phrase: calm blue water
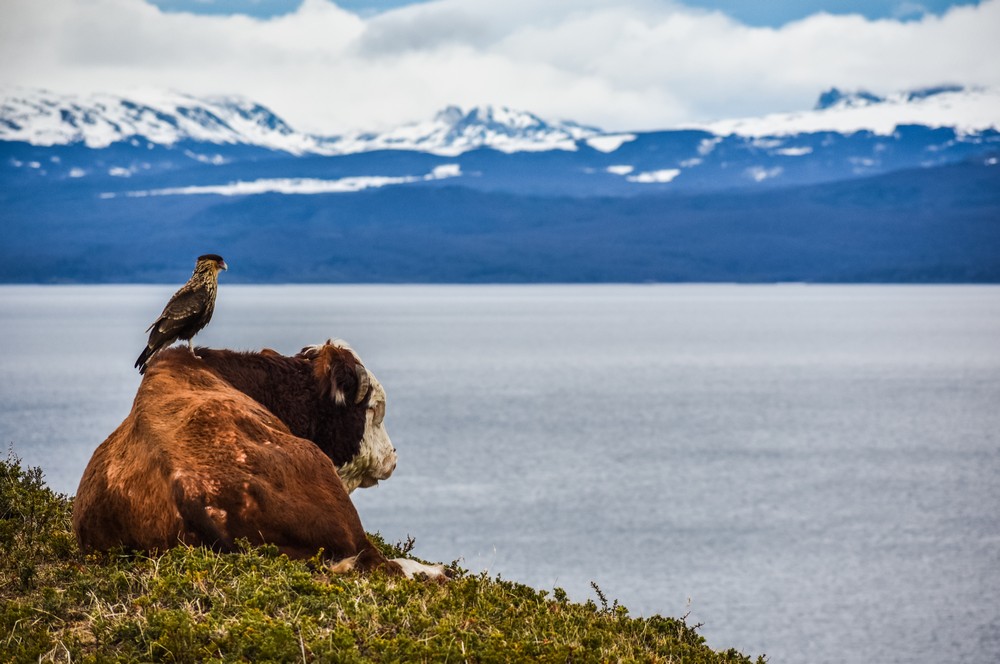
(811,471)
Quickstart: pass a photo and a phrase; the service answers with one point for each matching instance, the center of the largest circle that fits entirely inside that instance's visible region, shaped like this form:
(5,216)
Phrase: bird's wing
(185,305)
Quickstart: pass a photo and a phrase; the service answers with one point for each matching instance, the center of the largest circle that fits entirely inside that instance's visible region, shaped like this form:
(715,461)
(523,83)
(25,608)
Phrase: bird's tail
(144,356)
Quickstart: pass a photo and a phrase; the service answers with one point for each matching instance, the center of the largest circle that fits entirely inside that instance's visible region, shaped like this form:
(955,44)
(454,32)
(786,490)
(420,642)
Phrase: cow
(307,393)
(228,446)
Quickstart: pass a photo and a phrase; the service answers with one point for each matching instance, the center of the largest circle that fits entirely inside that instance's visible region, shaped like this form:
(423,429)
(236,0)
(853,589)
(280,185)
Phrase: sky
(332,66)
(757,13)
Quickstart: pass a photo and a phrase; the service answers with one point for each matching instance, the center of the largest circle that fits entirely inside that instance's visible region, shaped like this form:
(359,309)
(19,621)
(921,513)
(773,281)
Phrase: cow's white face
(377,458)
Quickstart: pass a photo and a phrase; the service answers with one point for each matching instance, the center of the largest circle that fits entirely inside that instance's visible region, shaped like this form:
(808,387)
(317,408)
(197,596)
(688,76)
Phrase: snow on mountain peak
(41,117)
(167,118)
(967,110)
(449,115)
(454,130)
(835,98)
(45,118)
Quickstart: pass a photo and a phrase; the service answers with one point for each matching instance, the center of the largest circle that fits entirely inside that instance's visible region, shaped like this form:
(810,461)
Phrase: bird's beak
(222,264)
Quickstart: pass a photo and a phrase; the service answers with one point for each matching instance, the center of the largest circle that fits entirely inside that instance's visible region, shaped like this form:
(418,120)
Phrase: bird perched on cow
(187,312)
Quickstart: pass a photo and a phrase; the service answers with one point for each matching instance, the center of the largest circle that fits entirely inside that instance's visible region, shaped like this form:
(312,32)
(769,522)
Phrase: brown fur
(300,392)
(199,462)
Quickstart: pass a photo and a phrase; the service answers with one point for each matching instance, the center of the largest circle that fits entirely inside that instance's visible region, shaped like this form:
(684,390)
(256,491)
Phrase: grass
(195,605)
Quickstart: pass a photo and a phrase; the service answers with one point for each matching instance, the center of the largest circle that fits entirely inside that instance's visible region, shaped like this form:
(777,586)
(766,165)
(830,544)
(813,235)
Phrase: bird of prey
(187,312)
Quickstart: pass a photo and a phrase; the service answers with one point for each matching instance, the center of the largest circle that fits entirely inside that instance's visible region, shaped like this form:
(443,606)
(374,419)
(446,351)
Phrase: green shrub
(195,605)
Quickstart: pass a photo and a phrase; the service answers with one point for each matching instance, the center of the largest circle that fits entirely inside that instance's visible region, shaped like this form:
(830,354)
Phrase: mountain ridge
(966,110)
(929,225)
(495,195)
(44,118)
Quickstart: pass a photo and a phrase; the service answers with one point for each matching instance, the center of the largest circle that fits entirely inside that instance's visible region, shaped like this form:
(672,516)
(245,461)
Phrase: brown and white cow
(244,445)
(308,392)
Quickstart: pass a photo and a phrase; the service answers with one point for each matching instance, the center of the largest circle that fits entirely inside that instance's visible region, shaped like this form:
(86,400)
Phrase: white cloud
(630,64)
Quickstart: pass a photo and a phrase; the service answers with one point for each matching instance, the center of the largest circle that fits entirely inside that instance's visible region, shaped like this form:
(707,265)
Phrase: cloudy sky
(330,66)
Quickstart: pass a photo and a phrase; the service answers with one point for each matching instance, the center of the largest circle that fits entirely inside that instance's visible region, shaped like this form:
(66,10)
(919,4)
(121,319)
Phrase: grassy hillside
(193,605)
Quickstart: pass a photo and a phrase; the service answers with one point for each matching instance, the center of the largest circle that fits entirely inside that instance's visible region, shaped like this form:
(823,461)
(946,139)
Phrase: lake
(813,472)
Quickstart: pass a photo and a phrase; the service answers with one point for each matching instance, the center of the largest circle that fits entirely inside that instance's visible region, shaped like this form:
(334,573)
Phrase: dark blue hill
(939,224)
(696,161)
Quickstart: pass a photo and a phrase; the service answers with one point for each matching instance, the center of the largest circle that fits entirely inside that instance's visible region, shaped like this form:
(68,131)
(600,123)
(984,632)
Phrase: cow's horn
(364,384)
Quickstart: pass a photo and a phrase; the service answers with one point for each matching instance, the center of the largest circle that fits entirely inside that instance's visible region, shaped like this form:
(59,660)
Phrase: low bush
(195,605)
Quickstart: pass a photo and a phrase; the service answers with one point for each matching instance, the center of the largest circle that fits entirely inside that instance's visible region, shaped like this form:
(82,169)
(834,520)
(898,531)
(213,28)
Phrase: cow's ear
(325,361)
(340,375)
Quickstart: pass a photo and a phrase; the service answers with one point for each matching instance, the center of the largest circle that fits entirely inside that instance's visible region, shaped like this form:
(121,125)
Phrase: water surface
(811,471)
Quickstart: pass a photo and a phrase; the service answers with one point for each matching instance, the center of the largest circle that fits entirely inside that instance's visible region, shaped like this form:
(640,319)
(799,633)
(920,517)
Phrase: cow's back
(198,462)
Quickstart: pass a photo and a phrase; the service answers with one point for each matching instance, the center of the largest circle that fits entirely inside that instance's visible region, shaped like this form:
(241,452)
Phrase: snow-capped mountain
(44,118)
(236,146)
(454,131)
(861,187)
(965,110)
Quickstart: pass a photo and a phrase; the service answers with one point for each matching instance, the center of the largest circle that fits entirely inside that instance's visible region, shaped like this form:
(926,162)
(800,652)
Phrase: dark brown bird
(187,312)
